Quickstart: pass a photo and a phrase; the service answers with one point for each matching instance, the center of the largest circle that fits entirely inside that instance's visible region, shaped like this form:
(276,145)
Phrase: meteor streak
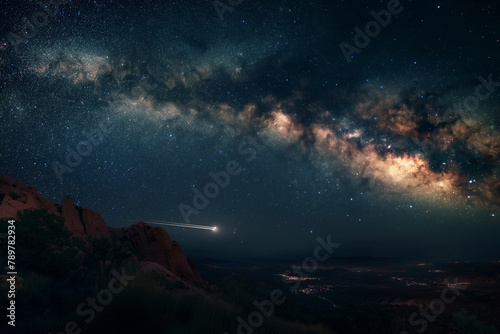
(200,227)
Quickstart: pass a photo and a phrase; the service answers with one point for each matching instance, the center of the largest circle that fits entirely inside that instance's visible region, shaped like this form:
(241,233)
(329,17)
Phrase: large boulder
(155,245)
(83,222)
(17,196)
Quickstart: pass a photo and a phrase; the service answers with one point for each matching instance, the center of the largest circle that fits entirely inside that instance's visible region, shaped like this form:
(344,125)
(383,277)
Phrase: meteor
(200,227)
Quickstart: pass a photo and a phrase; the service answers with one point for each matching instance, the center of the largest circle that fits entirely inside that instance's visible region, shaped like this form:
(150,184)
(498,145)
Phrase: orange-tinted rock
(28,198)
(72,218)
(83,222)
(153,243)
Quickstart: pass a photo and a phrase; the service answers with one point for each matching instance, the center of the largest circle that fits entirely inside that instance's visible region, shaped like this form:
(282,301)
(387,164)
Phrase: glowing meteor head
(214,228)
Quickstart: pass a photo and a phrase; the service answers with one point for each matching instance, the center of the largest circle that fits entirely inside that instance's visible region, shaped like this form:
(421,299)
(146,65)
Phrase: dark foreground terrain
(369,295)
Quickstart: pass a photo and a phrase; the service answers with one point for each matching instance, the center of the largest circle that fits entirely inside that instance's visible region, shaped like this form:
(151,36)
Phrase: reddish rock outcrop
(18,196)
(83,222)
(153,243)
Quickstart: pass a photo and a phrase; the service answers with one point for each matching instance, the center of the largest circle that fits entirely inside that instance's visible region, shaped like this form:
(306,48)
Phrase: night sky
(391,147)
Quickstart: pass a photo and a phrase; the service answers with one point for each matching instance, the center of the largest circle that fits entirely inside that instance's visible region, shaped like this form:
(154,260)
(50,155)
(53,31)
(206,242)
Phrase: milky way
(348,146)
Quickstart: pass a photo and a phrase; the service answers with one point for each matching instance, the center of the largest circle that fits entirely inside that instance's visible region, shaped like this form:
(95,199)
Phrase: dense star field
(275,121)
